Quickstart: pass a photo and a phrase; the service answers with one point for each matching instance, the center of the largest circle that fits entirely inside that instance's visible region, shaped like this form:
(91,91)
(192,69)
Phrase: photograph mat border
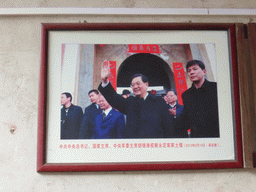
(139,37)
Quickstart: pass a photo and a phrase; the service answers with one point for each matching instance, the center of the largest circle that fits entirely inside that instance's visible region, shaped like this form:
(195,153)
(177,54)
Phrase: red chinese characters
(73,146)
(100,146)
(122,145)
(180,80)
(148,145)
(144,48)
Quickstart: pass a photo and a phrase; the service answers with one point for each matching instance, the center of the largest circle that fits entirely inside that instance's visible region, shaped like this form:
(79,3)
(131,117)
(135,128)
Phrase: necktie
(103,115)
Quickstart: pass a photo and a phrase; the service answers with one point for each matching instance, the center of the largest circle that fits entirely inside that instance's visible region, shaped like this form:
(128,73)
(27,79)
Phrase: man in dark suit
(175,108)
(109,124)
(71,116)
(90,112)
(200,114)
(147,114)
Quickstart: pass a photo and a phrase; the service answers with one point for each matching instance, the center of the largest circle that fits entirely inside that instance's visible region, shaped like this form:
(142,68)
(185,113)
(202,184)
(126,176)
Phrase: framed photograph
(194,63)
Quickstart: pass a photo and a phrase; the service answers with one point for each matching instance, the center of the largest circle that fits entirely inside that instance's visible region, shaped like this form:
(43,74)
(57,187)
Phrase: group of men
(99,120)
(145,115)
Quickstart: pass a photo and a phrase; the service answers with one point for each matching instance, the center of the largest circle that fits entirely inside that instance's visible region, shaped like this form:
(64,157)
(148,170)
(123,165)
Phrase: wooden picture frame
(248,97)
(50,144)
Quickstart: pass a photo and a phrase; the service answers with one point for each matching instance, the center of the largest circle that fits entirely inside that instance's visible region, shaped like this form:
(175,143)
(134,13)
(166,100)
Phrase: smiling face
(104,105)
(196,74)
(139,88)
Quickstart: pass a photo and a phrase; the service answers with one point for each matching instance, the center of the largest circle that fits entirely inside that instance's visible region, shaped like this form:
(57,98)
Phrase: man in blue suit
(109,124)
(90,113)
(71,116)
(175,108)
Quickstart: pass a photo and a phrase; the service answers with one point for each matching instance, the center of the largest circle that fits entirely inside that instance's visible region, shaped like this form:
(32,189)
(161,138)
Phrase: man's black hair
(143,77)
(93,90)
(126,92)
(195,62)
(173,90)
(67,95)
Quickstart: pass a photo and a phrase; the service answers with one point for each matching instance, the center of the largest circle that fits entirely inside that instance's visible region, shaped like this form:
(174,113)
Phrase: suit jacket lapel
(109,115)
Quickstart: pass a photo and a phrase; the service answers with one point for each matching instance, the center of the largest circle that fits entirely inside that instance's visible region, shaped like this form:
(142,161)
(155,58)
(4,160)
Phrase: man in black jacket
(147,115)
(200,114)
(90,113)
(71,116)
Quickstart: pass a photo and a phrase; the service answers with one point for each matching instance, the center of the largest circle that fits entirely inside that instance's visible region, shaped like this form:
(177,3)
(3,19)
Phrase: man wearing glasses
(147,114)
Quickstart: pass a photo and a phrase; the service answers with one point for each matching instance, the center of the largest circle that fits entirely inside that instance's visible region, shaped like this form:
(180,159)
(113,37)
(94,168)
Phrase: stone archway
(152,66)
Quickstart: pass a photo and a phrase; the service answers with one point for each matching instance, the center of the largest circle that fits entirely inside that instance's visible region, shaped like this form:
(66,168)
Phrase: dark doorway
(152,66)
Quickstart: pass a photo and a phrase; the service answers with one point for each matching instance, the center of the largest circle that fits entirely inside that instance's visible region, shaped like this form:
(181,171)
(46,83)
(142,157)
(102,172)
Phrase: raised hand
(105,71)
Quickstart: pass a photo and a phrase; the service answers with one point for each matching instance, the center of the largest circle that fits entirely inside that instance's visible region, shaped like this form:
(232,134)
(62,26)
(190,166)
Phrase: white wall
(19,75)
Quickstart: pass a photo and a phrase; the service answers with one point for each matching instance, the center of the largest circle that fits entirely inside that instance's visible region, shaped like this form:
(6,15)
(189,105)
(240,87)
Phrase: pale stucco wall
(19,75)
